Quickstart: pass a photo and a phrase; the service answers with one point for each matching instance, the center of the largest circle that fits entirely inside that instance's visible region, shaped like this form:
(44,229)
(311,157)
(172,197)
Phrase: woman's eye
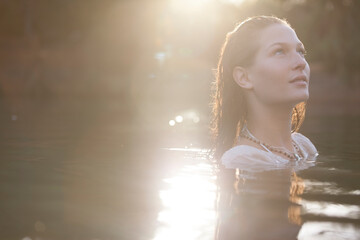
(279,51)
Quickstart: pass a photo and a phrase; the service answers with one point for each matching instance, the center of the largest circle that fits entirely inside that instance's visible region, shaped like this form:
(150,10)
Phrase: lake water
(75,170)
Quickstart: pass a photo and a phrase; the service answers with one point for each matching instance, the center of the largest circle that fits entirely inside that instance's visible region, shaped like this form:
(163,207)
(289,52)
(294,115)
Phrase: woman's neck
(271,124)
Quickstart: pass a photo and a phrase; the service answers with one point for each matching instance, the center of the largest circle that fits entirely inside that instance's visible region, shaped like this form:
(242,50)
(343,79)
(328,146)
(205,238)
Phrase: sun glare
(188,203)
(189,6)
(234,2)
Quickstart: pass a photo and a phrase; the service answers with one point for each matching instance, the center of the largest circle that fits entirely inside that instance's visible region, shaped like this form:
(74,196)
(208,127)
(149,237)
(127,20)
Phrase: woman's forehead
(278,34)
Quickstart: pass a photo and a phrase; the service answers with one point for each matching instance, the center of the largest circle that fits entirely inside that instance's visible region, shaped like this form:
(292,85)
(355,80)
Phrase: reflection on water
(314,230)
(328,188)
(89,177)
(331,209)
(259,201)
(188,203)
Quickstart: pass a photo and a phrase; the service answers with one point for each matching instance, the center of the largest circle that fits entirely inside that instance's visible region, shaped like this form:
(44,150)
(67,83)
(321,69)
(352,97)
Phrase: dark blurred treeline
(63,47)
(153,50)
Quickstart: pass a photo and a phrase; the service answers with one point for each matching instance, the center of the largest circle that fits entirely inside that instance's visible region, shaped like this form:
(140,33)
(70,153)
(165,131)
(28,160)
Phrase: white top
(252,159)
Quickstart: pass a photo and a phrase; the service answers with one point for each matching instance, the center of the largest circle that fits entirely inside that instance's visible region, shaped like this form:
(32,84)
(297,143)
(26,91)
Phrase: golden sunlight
(188,205)
(189,6)
(235,2)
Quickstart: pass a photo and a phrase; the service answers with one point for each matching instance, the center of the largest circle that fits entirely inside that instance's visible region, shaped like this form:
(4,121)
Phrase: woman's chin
(291,99)
(300,98)
(296,99)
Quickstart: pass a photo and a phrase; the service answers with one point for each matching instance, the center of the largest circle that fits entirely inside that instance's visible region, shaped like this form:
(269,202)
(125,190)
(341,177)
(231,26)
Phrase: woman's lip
(299,78)
(300,82)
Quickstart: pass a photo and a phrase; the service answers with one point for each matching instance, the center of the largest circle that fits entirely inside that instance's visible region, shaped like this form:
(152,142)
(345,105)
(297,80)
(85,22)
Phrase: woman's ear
(241,78)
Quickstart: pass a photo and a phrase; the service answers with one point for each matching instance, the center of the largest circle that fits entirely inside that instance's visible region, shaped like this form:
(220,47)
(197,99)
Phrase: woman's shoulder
(249,158)
(254,159)
(241,151)
(305,143)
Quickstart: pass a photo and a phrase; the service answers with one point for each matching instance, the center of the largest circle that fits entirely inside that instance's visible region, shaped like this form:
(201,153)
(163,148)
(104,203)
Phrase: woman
(261,87)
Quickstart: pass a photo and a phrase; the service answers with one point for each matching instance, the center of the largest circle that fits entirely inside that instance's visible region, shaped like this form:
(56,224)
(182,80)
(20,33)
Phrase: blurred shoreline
(29,71)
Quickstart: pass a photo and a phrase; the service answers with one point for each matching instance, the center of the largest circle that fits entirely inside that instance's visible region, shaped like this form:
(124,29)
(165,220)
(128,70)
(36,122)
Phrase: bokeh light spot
(179,119)
(172,122)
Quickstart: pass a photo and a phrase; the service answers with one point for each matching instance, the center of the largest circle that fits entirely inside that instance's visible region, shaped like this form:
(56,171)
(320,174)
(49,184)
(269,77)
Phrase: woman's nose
(299,61)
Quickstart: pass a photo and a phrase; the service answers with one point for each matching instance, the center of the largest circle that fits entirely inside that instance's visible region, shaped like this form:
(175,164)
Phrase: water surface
(79,170)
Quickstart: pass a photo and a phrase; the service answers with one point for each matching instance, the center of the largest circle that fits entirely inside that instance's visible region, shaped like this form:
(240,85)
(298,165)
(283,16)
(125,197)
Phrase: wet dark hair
(229,111)
(228,100)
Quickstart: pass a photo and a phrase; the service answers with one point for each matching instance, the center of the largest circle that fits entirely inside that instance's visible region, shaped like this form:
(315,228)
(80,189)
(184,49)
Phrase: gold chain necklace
(297,156)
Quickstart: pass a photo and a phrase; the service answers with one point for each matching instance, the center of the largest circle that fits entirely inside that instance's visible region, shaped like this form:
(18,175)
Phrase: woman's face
(279,60)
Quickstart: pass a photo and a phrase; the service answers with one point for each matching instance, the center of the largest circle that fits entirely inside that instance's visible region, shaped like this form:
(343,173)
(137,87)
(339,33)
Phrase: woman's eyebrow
(300,44)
